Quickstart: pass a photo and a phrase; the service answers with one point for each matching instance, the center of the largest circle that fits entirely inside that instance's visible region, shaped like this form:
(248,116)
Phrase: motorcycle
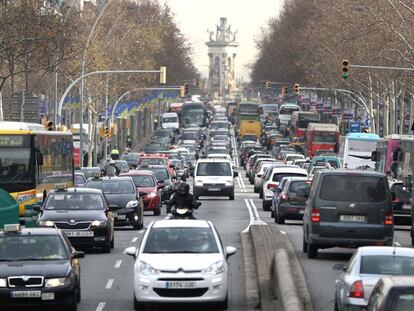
(182,212)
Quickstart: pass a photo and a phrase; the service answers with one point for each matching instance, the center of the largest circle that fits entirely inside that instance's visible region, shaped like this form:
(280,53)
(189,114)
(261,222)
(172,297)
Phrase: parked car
(354,286)
(347,209)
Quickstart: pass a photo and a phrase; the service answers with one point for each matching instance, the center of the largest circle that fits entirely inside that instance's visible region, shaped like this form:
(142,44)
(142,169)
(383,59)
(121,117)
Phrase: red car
(146,181)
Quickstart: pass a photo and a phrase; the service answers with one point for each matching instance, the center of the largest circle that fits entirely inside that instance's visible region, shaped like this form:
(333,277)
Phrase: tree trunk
(386,113)
(91,132)
(402,116)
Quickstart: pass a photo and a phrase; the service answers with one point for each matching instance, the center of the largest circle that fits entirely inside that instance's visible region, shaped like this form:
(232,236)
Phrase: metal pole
(106,117)
(55,97)
(382,67)
(88,41)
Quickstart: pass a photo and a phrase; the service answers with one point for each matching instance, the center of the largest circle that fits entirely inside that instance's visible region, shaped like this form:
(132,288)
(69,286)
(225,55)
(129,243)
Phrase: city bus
(356,150)
(321,137)
(33,161)
(194,114)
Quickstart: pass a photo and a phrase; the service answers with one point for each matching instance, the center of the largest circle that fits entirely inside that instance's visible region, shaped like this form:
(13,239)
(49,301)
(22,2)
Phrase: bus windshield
(324,137)
(15,168)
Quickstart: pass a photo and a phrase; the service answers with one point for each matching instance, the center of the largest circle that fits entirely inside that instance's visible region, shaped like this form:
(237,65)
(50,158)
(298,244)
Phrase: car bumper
(207,288)
(213,190)
(63,295)
(327,242)
(291,211)
(126,217)
(99,239)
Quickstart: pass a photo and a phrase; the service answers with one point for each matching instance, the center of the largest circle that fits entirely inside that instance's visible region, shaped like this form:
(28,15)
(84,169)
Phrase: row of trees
(307,42)
(36,41)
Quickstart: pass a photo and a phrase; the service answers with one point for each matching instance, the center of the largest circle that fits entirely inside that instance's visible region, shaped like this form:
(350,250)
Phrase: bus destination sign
(11,140)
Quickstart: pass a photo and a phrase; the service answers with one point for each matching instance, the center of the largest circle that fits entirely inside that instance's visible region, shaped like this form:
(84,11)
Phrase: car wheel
(279,218)
(107,247)
(266,206)
(231,197)
(78,293)
(312,250)
(260,194)
(113,242)
(223,305)
(304,244)
(272,213)
(336,308)
(139,305)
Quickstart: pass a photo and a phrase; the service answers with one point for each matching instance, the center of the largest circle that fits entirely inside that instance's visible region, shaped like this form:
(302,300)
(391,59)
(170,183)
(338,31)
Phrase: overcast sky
(247,16)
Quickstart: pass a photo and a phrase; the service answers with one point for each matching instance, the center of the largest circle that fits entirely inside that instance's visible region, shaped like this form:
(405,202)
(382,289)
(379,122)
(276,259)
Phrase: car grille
(180,279)
(25,281)
(77,225)
(181,292)
(214,185)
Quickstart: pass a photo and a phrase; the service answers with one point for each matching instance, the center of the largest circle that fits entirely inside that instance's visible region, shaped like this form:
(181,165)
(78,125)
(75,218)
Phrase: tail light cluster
(316,215)
(357,290)
(396,200)
(389,219)
(271,186)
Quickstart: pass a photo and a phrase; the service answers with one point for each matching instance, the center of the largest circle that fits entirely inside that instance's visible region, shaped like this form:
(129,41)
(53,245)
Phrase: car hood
(42,268)
(76,215)
(185,262)
(119,199)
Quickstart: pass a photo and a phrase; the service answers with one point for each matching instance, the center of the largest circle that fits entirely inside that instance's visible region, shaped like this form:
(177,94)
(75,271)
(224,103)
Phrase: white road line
(118,264)
(243,184)
(109,284)
(100,306)
(257,220)
(246,201)
(134,240)
(239,183)
(282,232)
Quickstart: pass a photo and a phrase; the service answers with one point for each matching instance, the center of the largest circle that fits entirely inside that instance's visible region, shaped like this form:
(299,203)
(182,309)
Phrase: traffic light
(285,91)
(268,84)
(107,132)
(49,125)
(345,69)
(263,83)
(102,132)
(296,88)
(185,89)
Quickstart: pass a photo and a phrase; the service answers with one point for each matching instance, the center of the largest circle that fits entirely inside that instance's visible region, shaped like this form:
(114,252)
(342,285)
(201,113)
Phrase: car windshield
(112,186)
(32,247)
(169,120)
(180,240)
(74,201)
(189,136)
(214,169)
(288,110)
(143,181)
(278,176)
(153,161)
(387,265)
(354,187)
(160,173)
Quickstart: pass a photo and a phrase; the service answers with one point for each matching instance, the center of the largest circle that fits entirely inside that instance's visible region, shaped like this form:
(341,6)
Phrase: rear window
(399,191)
(354,188)
(288,110)
(214,169)
(333,163)
(387,265)
(278,176)
(299,184)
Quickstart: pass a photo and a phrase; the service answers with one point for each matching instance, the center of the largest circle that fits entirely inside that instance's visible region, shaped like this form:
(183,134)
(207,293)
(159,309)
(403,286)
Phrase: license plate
(352,218)
(120,217)
(48,296)
(179,284)
(301,211)
(213,189)
(26,294)
(406,206)
(79,234)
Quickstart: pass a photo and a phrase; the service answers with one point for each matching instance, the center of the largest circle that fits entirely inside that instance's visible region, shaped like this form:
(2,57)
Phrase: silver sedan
(364,269)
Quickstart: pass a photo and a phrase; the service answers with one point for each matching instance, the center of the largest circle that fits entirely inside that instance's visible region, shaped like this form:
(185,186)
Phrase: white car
(289,158)
(181,261)
(170,120)
(272,183)
(367,265)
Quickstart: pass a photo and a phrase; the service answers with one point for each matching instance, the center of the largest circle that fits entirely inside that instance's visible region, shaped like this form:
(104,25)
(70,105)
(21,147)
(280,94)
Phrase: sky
(194,17)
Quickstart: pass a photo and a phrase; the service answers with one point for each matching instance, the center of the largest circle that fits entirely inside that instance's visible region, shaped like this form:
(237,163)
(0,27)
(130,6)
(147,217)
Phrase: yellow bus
(33,161)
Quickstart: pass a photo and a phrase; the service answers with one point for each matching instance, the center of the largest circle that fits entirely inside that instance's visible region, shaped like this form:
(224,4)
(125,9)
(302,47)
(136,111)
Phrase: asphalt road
(107,279)
(319,273)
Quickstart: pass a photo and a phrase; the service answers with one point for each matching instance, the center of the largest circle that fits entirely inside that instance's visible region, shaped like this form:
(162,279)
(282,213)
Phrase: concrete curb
(251,280)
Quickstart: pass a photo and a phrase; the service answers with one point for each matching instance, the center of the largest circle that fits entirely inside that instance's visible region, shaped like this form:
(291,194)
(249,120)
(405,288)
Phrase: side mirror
(37,208)
(230,250)
(235,174)
(142,193)
(131,251)
(78,254)
(172,166)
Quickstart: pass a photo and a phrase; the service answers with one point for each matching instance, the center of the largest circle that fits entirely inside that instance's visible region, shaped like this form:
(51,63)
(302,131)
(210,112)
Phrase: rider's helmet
(112,162)
(183,188)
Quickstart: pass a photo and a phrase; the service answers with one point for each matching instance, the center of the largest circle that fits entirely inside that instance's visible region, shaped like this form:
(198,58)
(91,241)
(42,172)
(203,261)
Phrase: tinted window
(180,240)
(387,265)
(79,180)
(278,176)
(74,201)
(160,173)
(354,188)
(32,247)
(143,181)
(397,188)
(298,184)
(288,110)
(112,186)
(214,169)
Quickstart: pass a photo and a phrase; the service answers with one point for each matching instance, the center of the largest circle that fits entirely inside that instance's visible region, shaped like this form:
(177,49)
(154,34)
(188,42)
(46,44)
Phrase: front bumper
(126,216)
(99,239)
(156,288)
(213,190)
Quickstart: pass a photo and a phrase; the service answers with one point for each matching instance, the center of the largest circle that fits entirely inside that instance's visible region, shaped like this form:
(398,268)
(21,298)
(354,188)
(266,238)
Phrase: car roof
(138,173)
(213,160)
(106,178)
(386,250)
(179,223)
(397,281)
(77,190)
(289,168)
(32,231)
(156,166)
(343,171)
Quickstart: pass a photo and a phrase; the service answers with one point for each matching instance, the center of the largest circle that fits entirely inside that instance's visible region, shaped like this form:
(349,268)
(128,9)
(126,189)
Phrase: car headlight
(147,269)
(46,223)
(228,182)
(215,268)
(57,282)
(152,194)
(3,283)
(98,223)
(132,204)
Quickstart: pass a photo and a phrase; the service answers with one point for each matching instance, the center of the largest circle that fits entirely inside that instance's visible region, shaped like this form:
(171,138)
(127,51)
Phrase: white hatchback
(181,261)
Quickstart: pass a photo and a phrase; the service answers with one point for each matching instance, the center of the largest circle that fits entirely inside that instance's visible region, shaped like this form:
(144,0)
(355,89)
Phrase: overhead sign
(354,127)
(368,122)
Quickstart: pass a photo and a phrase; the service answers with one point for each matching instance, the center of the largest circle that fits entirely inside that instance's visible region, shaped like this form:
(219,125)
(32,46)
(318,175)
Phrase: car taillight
(357,290)
(271,186)
(316,215)
(397,200)
(389,219)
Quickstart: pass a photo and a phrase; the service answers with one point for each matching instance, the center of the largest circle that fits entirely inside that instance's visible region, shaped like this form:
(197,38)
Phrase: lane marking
(240,186)
(118,264)
(243,184)
(253,214)
(109,284)
(246,201)
(100,306)
(282,232)
(134,240)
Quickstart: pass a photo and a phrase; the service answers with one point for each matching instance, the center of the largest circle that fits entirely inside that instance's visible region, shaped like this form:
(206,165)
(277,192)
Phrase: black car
(123,198)
(38,266)
(401,203)
(82,214)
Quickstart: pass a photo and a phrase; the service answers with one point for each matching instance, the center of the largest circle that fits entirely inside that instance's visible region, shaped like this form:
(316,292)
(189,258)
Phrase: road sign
(368,122)
(354,127)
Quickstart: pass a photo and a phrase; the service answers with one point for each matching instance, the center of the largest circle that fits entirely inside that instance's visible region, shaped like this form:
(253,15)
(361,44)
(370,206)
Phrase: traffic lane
(105,278)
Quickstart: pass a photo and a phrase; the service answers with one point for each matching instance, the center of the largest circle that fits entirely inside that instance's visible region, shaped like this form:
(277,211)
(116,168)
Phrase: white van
(170,120)
(285,113)
(214,177)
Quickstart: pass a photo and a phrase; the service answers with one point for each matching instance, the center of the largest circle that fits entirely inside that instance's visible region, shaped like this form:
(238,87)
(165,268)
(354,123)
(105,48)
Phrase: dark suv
(347,208)
(401,203)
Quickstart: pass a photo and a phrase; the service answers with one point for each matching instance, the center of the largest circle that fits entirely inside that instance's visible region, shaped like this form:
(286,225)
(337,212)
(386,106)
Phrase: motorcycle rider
(183,198)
